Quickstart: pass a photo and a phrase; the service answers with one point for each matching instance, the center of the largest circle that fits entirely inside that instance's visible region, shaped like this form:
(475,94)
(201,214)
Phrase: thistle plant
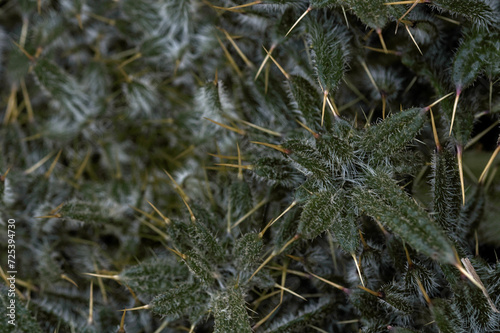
(266,166)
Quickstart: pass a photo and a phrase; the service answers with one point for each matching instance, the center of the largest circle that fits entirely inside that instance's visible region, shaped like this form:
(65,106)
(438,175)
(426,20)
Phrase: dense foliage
(267,166)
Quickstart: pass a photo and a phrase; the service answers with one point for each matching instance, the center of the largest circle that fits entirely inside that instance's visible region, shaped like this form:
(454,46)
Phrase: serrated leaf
(180,300)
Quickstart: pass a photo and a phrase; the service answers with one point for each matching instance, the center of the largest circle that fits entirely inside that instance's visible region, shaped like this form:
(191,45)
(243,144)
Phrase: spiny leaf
(229,312)
(386,202)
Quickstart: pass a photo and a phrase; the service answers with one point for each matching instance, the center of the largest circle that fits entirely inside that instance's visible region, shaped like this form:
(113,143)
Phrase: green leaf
(247,251)
(329,54)
(180,300)
(383,200)
(480,12)
(16,318)
(393,133)
(229,311)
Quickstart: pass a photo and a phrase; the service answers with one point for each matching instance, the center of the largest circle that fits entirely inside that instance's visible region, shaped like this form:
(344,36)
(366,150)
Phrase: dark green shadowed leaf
(16,318)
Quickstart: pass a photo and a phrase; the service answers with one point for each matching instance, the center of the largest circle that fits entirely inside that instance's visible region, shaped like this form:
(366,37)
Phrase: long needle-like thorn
(422,289)
(240,169)
(165,219)
(53,165)
(333,284)
(379,33)
(253,210)
(238,50)
(316,135)
(112,277)
(468,266)
(234,129)
(39,163)
(144,307)
(287,76)
(358,268)
(122,323)
(427,108)
(67,278)
(270,145)
(90,320)
(413,39)
(454,109)
(461,172)
(299,19)
(434,132)
(264,61)
(261,234)
(374,293)
(325,94)
(271,256)
(488,165)
(265,130)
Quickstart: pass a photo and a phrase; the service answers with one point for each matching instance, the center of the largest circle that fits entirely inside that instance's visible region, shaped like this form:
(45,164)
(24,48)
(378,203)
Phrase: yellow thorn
(461,172)
(234,8)
(447,19)
(265,130)
(283,280)
(358,268)
(131,59)
(165,219)
(80,170)
(246,167)
(224,157)
(4,176)
(333,284)
(53,165)
(316,135)
(150,216)
(299,19)
(405,2)
(67,278)
(29,56)
(177,187)
(144,307)
(333,107)
(261,234)
(90,321)
(238,50)
(230,58)
(468,276)
(122,323)
(410,9)
(264,61)
(263,320)
(325,93)
(488,165)
(422,289)
(410,263)
(39,163)
(289,291)
(369,75)
(379,33)
(253,210)
(102,19)
(345,17)
(454,110)
(112,277)
(271,256)
(381,50)
(27,101)
(439,100)
(480,135)
(413,39)
(374,293)
(434,132)
(270,145)
(277,65)
(383,106)
(234,129)
(155,229)
(472,272)
(240,169)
